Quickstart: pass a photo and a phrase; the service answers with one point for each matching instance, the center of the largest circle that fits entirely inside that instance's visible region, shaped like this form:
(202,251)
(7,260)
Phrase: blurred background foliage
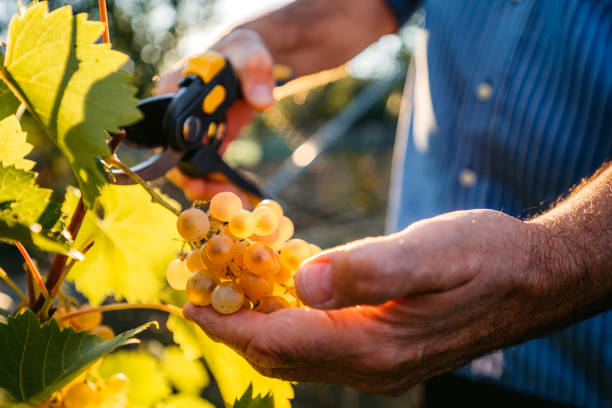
(339,197)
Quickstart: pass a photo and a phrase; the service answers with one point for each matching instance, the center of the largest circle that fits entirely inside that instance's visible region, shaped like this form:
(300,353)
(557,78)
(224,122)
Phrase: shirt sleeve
(402,9)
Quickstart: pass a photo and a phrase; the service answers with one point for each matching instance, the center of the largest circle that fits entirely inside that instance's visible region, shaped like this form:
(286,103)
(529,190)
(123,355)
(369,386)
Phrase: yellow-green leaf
(148,383)
(185,401)
(188,376)
(13,145)
(233,373)
(72,84)
(27,213)
(133,243)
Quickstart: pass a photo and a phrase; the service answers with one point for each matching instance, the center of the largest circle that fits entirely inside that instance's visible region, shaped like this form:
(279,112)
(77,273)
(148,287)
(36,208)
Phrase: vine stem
(33,269)
(155,196)
(4,276)
(126,306)
(59,263)
(104,20)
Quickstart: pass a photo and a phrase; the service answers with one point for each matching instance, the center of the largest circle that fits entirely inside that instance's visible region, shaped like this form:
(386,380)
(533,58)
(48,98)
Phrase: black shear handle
(206,160)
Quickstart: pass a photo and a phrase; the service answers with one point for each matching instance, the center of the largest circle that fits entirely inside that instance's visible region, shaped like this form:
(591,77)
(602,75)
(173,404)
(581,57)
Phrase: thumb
(370,271)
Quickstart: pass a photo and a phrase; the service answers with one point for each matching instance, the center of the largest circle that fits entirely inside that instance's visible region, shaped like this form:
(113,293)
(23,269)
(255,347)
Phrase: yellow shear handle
(207,65)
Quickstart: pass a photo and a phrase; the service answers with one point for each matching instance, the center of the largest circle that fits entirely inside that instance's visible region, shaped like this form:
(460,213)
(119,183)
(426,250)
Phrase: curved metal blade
(149,132)
(151,169)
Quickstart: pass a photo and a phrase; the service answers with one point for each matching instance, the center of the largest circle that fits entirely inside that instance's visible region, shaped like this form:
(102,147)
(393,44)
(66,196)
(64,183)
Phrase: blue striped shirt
(512,107)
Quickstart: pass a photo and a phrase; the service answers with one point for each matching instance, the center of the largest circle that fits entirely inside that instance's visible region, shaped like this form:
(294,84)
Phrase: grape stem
(155,196)
(126,306)
(4,276)
(32,269)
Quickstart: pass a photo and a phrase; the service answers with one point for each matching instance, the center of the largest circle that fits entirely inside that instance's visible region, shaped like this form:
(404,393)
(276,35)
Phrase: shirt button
(467,178)
(484,91)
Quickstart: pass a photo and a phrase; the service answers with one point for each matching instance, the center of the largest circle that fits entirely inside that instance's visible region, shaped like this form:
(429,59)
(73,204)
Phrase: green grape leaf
(233,373)
(13,145)
(39,360)
(27,213)
(134,240)
(8,102)
(148,384)
(187,376)
(71,84)
(185,401)
(247,400)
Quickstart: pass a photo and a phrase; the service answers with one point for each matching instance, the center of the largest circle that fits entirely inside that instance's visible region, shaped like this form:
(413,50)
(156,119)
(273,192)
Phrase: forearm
(574,251)
(313,35)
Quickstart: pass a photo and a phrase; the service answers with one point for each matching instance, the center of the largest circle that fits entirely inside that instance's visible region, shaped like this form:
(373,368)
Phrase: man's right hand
(253,65)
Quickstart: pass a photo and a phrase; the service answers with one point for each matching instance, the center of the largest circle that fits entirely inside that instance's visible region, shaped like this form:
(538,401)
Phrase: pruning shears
(189,125)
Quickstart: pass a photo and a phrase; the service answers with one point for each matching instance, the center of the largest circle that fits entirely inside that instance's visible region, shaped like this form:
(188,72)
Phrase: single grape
(118,383)
(315,249)
(194,262)
(237,252)
(224,206)
(283,275)
(177,274)
(258,258)
(276,207)
(285,229)
(207,262)
(193,224)
(218,249)
(200,286)
(276,265)
(267,220)
(255,286)
(266,239)
(88,320)
(227,298)
(294,252)
(78,395)
(269,304)
(103,332)
(243,224)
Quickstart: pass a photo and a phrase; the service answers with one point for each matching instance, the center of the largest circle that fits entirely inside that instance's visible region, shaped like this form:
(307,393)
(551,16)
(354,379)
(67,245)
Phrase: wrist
(554,276)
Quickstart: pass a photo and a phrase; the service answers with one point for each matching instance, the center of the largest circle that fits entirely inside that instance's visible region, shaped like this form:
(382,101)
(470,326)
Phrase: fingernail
(314,283)
(260,95)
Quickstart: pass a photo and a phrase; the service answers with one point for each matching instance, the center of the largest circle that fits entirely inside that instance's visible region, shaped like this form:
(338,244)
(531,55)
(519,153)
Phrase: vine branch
(104,20)
(33,269)
(59,263)
(126,306)
(155,196)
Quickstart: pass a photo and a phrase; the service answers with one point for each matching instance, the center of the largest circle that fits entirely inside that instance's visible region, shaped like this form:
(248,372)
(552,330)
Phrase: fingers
(343,347)
(201,189)
(254,65)
(168,83)
(288,338)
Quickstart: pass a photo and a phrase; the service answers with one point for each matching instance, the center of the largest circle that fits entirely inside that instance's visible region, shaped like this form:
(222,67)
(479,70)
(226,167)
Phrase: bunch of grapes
(89,390)
(108,393)
(239,258)
(92,321)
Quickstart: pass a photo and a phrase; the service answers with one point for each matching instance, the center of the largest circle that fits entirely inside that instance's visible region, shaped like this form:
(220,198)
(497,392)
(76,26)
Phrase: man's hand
(434,296)
(253,65)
